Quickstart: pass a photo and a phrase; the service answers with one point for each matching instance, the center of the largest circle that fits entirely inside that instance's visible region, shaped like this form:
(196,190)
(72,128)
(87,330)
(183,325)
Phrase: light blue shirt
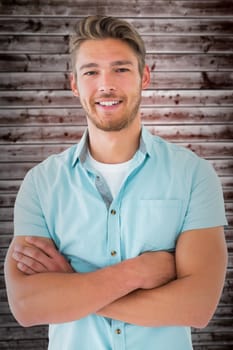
(167,190)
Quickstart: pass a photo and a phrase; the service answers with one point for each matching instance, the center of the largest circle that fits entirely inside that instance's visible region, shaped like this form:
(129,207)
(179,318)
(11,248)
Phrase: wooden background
(190,53)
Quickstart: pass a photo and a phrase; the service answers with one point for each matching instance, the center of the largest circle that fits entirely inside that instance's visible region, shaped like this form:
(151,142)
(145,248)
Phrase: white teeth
(108,103)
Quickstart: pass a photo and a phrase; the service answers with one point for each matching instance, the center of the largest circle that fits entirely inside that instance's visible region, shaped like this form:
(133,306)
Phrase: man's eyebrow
(121,63)
(89,65)
(112,64)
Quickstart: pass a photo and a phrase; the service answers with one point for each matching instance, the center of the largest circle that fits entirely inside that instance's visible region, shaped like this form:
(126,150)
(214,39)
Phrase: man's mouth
(108,103)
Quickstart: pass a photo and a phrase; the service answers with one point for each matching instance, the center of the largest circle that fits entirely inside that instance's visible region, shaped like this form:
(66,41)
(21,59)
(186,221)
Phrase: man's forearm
(191,299)
(61,297)
(175,304)
(48,295)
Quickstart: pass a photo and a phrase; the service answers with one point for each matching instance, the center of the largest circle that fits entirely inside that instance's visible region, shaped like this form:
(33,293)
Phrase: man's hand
(39,255)
(157,268)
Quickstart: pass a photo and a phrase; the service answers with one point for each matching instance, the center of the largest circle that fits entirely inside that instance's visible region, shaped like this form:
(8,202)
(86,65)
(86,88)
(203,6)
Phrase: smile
(108,103)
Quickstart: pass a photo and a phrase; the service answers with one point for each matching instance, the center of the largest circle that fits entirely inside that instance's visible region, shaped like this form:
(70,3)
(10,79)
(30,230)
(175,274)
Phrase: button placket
(118,333)
(114,233)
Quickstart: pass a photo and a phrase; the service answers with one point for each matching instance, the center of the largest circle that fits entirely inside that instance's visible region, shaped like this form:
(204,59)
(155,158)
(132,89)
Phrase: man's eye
(122,70)
(90,73)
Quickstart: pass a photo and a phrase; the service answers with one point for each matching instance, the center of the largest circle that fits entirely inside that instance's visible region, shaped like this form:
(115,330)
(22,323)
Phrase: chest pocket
(159,223)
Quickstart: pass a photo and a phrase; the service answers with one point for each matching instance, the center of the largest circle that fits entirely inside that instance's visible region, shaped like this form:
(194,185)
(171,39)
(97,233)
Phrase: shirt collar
(80,153)
(81,149)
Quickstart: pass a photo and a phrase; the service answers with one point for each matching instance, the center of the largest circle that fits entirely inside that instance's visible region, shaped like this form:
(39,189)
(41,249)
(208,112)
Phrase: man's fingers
(27,264)
(56,261)
(32,252)
(41,251)
(44,244)
(25,269)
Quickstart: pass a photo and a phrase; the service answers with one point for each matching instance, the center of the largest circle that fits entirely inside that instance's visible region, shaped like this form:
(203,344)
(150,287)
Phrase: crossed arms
(153,289)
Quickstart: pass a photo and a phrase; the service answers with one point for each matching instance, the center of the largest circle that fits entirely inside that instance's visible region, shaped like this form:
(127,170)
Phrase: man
(139,254)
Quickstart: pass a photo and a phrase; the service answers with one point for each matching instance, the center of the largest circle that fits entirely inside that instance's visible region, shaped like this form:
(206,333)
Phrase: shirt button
(118,331)
(113,212)
(113,253)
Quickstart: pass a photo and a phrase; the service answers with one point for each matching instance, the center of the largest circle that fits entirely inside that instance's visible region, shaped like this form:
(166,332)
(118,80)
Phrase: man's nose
(106,84)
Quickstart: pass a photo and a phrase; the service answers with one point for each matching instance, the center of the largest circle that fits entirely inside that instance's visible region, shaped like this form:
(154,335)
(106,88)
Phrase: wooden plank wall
(190,54)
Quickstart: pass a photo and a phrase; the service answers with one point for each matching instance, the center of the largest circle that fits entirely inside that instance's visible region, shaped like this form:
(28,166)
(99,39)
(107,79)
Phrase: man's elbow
(202,317)
(22,313)
(20,309)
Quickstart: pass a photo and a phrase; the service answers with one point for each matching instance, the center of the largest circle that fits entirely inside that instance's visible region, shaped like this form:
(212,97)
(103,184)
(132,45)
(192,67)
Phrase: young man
(139,253)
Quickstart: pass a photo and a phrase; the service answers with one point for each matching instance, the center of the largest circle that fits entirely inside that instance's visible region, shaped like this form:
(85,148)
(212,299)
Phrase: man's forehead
(113,52)
(111,64)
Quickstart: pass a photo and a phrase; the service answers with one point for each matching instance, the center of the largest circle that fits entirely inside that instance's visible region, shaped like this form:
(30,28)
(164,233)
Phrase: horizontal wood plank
(144,8)
(221,346)
(38,344)
(208,338)
(9,186)
(23,333)
(65,26)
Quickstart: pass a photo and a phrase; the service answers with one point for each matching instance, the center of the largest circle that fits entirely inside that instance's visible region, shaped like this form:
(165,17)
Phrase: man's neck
(114,147)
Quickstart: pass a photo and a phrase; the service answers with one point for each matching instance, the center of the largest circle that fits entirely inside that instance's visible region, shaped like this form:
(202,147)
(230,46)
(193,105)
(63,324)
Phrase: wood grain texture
(64,25)
(189,102)
(144,8)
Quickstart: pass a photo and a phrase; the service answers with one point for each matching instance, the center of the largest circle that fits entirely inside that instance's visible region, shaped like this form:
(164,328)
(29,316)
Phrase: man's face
(108,83)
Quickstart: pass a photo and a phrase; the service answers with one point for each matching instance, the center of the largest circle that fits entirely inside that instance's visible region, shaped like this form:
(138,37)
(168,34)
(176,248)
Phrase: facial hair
(113,124)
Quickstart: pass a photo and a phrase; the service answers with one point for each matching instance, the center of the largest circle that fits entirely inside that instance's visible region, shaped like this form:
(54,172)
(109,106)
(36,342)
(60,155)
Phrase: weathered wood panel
(190,54)
(144,8)
(64,25)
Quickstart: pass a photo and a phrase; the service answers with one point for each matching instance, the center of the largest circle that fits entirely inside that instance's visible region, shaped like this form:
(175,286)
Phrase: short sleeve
(28,214)
(206,204)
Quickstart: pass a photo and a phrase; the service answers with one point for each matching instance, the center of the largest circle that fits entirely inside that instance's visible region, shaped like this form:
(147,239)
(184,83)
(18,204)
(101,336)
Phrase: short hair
(103,27)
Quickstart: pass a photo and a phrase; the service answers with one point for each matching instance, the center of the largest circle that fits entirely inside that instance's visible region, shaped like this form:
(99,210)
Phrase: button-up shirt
(168,190)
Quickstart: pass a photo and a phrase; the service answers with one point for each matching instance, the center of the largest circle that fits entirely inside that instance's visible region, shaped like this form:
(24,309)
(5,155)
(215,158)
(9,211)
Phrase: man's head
(100,27)
(109,72)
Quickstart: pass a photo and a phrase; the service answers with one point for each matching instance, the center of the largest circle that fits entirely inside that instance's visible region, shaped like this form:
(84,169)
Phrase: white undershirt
(113,174)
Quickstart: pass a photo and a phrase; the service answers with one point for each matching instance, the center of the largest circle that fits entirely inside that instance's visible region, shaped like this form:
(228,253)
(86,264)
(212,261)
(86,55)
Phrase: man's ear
(146,77)
(73,85)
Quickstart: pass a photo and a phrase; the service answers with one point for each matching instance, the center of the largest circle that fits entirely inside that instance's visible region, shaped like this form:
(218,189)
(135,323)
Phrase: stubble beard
(113,124)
